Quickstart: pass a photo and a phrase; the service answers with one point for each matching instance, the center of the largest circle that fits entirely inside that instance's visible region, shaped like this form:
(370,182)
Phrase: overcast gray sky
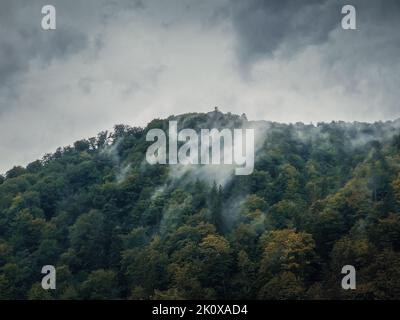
(129,61)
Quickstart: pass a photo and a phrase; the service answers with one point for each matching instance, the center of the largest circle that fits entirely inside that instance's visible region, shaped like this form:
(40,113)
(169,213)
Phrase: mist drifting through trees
(320,197)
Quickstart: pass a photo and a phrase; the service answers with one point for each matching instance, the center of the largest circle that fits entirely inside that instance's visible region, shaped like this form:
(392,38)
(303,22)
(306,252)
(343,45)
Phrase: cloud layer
(128,62)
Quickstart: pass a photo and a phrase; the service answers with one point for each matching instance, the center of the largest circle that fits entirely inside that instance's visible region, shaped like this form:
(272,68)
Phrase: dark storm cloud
(364,63)
(264,26)
(22,39)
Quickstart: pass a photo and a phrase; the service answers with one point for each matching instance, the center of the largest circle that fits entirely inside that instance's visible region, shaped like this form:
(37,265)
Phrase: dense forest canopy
(320,197)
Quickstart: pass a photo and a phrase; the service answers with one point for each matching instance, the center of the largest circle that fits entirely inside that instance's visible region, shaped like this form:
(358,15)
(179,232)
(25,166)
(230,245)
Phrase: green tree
(87,239)
(100,284)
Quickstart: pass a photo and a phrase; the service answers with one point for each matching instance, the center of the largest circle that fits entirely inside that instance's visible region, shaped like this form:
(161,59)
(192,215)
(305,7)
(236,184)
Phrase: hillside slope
(320,197)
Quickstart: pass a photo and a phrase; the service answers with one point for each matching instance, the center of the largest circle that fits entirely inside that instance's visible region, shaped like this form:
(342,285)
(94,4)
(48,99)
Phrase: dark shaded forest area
(320,197)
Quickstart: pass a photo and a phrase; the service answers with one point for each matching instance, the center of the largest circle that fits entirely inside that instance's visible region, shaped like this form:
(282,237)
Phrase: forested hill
(320,197)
